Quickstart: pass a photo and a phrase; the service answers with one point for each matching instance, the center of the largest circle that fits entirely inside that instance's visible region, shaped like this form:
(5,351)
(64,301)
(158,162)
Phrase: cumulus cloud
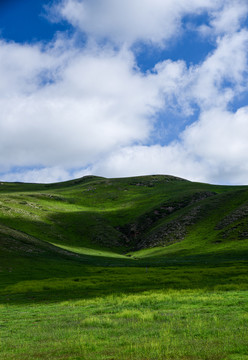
(227,21)
(43,175)
(130,21)
(223,74)
(219,137)
(67,111)
(143,160)
(95,104)
(213,149)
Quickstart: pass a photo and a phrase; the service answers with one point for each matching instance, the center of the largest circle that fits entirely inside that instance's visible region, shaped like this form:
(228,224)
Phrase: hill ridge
(98,216)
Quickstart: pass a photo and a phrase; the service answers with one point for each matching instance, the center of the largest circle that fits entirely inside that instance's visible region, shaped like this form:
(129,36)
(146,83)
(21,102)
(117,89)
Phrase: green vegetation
(136,268)
(151,325)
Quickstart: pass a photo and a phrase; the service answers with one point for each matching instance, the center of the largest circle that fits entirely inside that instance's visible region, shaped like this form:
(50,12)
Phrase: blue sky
(114,88)
(25,21)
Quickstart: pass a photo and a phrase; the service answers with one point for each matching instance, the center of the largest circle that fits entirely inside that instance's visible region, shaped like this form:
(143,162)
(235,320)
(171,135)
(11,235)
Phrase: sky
(121,88)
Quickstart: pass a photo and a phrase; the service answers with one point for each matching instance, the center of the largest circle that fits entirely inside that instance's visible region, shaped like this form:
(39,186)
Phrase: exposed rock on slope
(235,225)
(149,231)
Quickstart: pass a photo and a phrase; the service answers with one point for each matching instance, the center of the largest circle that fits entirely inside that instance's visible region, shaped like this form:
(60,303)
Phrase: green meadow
(135,268)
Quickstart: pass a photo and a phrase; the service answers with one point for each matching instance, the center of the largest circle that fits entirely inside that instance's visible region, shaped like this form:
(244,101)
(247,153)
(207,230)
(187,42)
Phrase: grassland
(138,268)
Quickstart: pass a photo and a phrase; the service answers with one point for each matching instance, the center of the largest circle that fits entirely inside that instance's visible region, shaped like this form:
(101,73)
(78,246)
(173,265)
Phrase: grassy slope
(110,217)
(50,231)
(185,300)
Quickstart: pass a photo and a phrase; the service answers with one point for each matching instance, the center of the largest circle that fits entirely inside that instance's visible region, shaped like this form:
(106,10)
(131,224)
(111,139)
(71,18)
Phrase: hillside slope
(150,216)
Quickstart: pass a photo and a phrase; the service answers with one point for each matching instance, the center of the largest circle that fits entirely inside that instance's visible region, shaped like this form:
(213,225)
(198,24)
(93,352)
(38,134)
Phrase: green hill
(148,267)
(140,217)
(57,230)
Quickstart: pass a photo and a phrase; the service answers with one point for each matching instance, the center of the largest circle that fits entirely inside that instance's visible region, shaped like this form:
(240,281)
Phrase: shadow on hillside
(38,239)
(33,271)
(93,282)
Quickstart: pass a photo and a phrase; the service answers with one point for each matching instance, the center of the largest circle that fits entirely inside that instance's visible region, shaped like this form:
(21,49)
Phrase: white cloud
(131,20)
(96,103)
(24,68)
(214,149)
(228,19)
(64,109)
(145,160)
(223,74)
(219,137)
(99,104)
(44,175)
(219,143)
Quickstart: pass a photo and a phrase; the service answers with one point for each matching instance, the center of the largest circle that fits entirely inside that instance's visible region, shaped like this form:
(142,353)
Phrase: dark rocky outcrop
(235,225)
(149,230)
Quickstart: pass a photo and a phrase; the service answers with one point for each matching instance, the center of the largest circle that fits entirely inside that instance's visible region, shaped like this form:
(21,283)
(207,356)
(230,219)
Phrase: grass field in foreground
(186,324)
(185,312)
